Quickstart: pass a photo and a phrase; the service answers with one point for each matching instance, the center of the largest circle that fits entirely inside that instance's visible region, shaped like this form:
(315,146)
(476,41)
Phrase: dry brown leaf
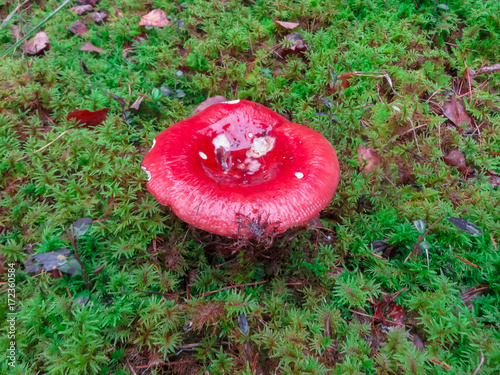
(297,46)
(456,158)
(38,44)
(16,33)
(210,101)
(455,111)
(489,69)
(137,103)
(367,159)
(85,2)
(287,25)
(90,47)
(79,28)
(80,9)
(99,17)
(156,17)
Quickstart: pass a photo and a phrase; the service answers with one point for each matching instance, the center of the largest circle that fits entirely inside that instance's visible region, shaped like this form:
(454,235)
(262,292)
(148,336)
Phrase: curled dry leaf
(455,111)
(489,69)
(80,9)
(210,101)
(287,25)
(99,17)
(368,159)
(456,158)
(87,118)
(297,45)
(89,2)
(90,47)
(137,103)
(156,17)
(38,44)
(79,28)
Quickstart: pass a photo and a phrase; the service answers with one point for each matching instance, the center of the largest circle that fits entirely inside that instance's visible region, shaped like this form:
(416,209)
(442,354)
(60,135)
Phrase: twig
(421,157)
(77,256)
(164,364)
(44,147)
(131,368)
(7,19)
(481,363)
(230,287)
(412,129)
(414,134)
(156,293)
(29,33)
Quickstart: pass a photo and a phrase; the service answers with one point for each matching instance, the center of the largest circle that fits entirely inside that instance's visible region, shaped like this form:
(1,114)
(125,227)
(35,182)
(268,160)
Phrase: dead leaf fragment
(90,2)
(456,158)
(99,17)
(80,9)
(156,17)
(87,118)
(137,103)
(38,44)
(368,159)
(79,28)
(296,44)
(489,69)
(210,101)
(90,47)
(287,25)
(455,111)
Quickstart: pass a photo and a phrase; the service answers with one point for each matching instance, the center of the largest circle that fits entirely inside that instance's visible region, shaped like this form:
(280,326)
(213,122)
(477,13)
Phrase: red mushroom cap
(239,169)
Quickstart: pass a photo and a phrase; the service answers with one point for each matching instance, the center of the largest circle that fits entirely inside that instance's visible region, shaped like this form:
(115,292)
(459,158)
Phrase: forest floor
(102,279)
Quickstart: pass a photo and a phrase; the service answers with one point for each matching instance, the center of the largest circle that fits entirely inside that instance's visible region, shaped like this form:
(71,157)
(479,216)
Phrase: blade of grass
(28,34)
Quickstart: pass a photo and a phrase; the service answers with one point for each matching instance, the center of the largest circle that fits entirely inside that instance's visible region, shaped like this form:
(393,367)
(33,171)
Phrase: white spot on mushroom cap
(232,101)
(261,146)
(203,155)
(147,172)
(154,142)
(249,166)
(221,141)
(299,175)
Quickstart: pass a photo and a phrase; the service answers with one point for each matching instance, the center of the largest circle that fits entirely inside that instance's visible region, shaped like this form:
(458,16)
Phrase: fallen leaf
(79,28)
(287,25)
(455,111)
(395,312)
(489,69)
(137,103)
(99,17)
(90,2)
(38,44)
(90,47)
(456,158)
(344,78)
(296,44)
(465,225)
(119,99)
(156,17)
(59,259)
(16,33)
(418,342)
(87,118)
(367,159)
(85,69)
(80,9)
(210,101)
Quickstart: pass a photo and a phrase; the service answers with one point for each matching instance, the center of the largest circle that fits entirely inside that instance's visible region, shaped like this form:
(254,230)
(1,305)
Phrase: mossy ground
(310,308)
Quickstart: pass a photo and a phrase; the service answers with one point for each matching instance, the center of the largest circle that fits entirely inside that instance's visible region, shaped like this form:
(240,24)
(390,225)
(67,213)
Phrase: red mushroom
(239,169)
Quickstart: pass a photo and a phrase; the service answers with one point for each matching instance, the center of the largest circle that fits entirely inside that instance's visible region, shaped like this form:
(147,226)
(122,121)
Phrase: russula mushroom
(239,169)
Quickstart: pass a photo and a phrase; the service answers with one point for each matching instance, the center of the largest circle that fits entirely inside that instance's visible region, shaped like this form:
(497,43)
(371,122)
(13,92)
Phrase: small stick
(481,362)
(164,364)
(414,134)
(421,157)
(156,293)
(77,256)
(131,368)
(7,19)
(44,147)
(467,261)
(231,287)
